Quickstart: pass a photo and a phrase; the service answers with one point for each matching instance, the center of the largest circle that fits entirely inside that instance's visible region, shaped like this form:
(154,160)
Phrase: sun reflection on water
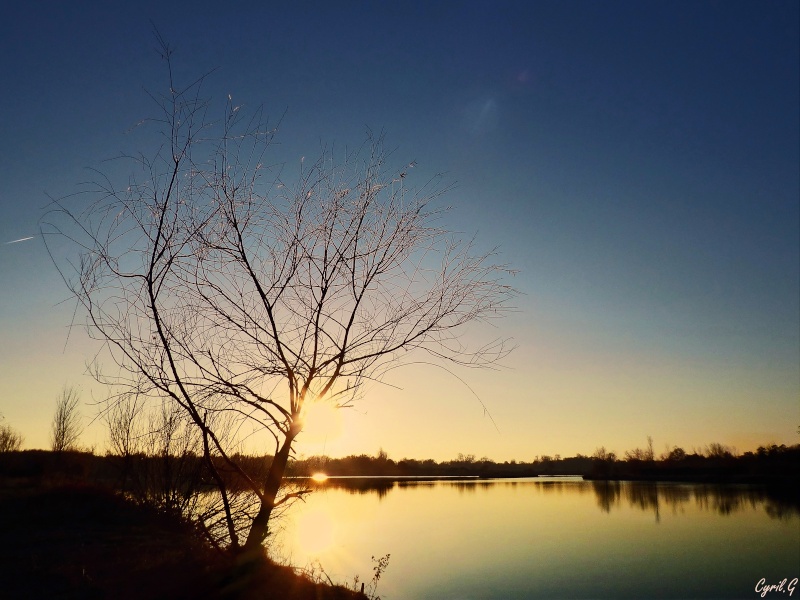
(315,531)
(523,539)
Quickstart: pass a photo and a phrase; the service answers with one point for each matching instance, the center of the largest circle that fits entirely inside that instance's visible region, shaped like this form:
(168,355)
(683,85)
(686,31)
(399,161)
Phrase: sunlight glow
(322,424)
(319,477)
(315,532)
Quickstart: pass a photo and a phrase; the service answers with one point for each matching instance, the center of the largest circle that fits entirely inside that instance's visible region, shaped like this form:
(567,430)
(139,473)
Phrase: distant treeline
(716,463)
(770,465)
(382,465)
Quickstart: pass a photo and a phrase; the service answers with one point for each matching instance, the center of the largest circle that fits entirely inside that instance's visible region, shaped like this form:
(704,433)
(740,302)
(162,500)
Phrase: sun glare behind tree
(245,292)
(323,427)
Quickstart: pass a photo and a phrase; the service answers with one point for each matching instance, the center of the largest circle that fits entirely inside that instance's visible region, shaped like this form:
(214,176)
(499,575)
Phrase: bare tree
(642,454)
(10,440)
(122,418)
(242,295)
(160,452)
(67,427)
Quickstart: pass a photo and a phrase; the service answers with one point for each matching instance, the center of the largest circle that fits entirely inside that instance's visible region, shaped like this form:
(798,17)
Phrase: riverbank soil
(82,541)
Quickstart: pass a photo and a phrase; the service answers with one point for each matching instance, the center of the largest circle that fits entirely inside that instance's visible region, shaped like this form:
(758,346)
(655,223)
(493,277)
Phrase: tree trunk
(260,527)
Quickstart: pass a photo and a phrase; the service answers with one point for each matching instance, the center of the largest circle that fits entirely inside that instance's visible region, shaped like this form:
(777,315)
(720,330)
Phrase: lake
(547,537)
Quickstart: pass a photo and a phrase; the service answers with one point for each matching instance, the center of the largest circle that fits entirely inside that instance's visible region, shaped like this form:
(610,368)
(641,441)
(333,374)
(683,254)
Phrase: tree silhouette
(10,439)
(242,294)
(66,428)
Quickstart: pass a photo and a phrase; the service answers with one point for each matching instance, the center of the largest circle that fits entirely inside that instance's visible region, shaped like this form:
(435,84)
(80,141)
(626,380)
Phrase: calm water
(548,538)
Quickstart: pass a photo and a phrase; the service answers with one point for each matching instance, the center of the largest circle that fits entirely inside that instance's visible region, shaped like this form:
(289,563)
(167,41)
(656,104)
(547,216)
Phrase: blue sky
(636,161)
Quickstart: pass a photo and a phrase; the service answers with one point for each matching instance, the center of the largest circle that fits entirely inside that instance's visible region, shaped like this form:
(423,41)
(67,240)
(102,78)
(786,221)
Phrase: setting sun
(319,477)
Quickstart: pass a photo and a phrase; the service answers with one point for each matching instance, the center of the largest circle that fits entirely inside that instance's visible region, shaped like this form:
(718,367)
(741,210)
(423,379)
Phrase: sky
(636,162)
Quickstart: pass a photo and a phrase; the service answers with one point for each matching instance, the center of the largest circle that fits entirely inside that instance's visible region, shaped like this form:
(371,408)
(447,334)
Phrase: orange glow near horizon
(319,477)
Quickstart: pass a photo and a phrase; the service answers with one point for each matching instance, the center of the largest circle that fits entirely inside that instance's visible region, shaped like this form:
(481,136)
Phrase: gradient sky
(636,161)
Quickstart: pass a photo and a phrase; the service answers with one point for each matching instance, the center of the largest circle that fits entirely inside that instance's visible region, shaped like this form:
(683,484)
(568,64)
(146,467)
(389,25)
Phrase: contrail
(20,240)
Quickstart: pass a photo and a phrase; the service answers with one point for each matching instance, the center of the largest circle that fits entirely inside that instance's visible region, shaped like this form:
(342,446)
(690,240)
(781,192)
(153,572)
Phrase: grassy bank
(84,541)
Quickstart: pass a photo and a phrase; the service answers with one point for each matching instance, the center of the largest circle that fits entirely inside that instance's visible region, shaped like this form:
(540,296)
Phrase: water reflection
(561,485)
(528,538)
(610,495)
(473,486)
(381,486)
(356,485)
(720,499)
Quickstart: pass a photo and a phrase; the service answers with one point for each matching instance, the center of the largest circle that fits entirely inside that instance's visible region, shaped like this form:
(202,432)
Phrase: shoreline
(82,540)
